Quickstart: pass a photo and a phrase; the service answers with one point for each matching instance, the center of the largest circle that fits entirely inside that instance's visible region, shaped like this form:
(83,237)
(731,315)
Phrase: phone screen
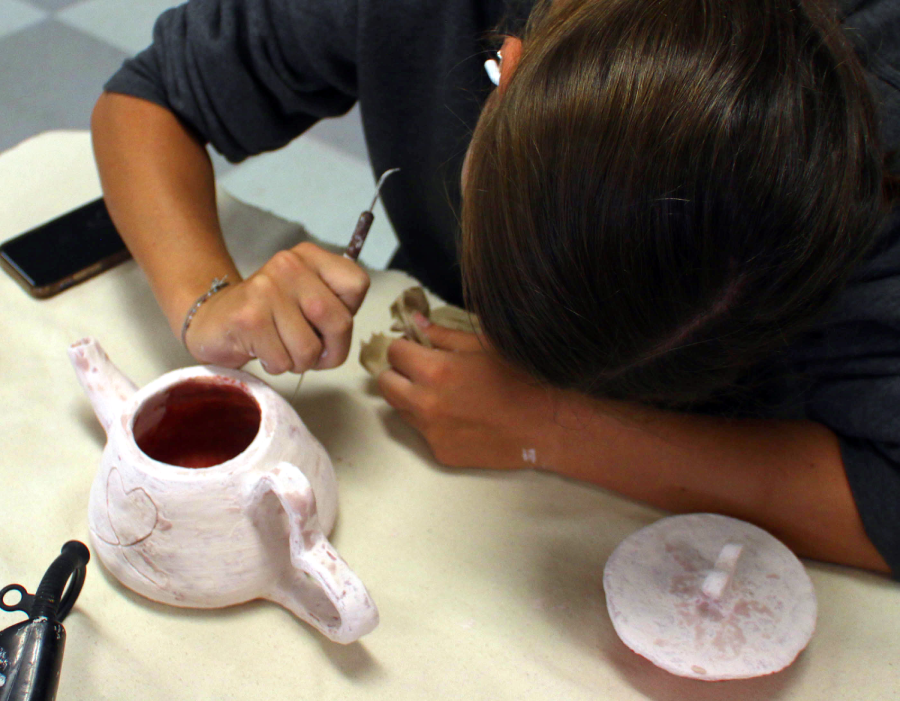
(65,250)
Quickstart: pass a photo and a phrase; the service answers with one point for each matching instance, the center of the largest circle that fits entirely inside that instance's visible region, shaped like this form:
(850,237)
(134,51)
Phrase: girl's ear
(511,50)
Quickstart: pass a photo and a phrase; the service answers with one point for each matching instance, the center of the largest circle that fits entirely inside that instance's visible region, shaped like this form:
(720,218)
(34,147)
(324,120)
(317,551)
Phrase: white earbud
(492,66)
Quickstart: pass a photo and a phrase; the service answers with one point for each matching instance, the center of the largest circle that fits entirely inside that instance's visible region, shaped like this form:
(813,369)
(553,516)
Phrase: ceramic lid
(710,597)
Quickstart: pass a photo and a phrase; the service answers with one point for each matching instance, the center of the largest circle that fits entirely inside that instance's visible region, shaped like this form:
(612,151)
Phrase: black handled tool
(31,652)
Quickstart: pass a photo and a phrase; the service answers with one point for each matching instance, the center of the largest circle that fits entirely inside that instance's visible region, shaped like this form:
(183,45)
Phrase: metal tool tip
(385,174)
(380,183)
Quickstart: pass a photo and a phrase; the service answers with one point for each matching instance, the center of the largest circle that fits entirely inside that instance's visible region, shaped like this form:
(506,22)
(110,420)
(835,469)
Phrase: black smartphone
(64,251)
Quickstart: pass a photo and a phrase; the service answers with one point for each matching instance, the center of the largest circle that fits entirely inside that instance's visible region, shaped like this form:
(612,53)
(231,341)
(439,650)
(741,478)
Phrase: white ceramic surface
(710,597)
(251,527)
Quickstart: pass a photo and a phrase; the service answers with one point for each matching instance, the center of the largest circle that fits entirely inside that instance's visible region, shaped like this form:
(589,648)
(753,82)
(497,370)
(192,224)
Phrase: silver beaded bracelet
(216,285)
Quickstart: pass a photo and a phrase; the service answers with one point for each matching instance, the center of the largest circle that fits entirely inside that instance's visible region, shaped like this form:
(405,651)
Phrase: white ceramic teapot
(212,492)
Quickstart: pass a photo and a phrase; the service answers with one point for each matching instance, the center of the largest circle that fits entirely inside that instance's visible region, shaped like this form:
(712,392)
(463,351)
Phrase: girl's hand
(785,476)
(472,408)
(294,313)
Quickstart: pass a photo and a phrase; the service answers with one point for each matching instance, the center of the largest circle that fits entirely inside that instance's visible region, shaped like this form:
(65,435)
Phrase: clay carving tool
(363,224)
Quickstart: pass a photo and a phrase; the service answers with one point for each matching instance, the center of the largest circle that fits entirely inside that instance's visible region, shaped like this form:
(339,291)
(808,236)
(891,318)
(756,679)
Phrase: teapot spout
(103,382)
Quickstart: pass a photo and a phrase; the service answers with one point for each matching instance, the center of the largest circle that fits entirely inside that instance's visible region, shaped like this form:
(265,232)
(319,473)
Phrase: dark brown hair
(668,191)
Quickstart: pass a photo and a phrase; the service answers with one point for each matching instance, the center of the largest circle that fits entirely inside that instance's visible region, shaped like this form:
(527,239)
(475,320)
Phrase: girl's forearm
(159,187)
(785,476)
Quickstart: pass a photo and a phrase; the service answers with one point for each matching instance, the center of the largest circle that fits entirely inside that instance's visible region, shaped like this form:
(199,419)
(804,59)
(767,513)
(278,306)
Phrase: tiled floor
(55,56)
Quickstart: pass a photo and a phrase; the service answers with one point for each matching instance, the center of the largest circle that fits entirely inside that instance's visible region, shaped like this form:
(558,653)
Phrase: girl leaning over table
(675,229)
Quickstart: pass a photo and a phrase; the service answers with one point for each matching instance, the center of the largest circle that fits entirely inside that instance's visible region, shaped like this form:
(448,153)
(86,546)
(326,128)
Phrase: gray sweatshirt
(250,75)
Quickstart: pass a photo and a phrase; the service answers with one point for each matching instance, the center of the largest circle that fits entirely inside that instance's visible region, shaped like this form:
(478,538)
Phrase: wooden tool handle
(363,224)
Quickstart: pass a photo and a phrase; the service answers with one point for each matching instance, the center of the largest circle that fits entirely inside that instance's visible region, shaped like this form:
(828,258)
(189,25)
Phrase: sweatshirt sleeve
(857,364)
(854,358)
(248,76)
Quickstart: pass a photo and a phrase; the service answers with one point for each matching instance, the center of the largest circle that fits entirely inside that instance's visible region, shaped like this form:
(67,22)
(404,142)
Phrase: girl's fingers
(344,277)
(302,344)
(450,339)
(399,393)
(315,304)
(330,320)
(416,363)
(260,339)
(295,313)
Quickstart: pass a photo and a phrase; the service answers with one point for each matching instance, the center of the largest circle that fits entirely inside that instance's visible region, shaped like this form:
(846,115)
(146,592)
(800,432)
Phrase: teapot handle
(339,607)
